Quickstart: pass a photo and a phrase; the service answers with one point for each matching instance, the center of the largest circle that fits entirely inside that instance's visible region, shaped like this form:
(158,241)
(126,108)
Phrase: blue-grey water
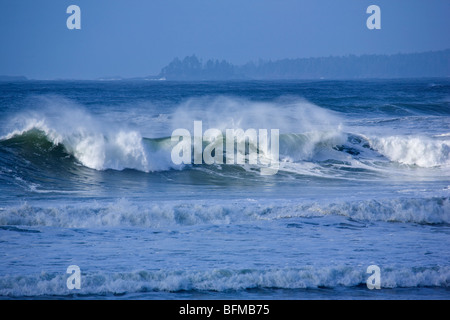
(87,179)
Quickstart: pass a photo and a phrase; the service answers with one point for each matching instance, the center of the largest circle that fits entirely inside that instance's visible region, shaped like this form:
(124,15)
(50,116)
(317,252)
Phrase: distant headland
(411,65)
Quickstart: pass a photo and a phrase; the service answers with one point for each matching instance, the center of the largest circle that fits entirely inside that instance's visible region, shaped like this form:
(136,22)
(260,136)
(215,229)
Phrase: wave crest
(94,144)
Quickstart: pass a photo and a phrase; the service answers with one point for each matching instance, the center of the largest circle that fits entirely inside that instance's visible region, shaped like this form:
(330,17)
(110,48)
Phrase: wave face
(87,179)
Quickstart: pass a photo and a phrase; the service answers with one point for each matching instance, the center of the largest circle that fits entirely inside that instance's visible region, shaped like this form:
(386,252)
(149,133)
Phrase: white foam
(122,212)
(220,280)
(414,150)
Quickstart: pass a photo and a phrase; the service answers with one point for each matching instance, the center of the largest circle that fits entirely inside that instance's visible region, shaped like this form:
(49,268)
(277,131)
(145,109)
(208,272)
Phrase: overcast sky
(138,37)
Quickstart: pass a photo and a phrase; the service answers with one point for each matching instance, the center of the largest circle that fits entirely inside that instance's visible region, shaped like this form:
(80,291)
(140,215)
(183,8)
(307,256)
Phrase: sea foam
(155,214)
(221,280)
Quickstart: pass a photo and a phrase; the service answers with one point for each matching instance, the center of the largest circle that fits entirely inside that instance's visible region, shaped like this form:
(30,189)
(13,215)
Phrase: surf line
(252,147)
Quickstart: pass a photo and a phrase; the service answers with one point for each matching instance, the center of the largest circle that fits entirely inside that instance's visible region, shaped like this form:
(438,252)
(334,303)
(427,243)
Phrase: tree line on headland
(411,65)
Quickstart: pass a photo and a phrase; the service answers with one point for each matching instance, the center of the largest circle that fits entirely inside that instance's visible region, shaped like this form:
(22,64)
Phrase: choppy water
(87,179)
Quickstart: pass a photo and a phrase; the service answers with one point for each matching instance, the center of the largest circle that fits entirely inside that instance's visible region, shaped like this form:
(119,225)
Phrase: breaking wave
(433,210)
(316,145)
(220,280)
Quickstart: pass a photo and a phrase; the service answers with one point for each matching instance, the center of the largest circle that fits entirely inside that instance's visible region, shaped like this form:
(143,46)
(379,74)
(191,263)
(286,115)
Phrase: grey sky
(137,37)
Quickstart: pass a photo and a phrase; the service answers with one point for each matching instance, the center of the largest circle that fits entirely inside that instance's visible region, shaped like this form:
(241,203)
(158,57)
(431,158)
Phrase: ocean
(87,179)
